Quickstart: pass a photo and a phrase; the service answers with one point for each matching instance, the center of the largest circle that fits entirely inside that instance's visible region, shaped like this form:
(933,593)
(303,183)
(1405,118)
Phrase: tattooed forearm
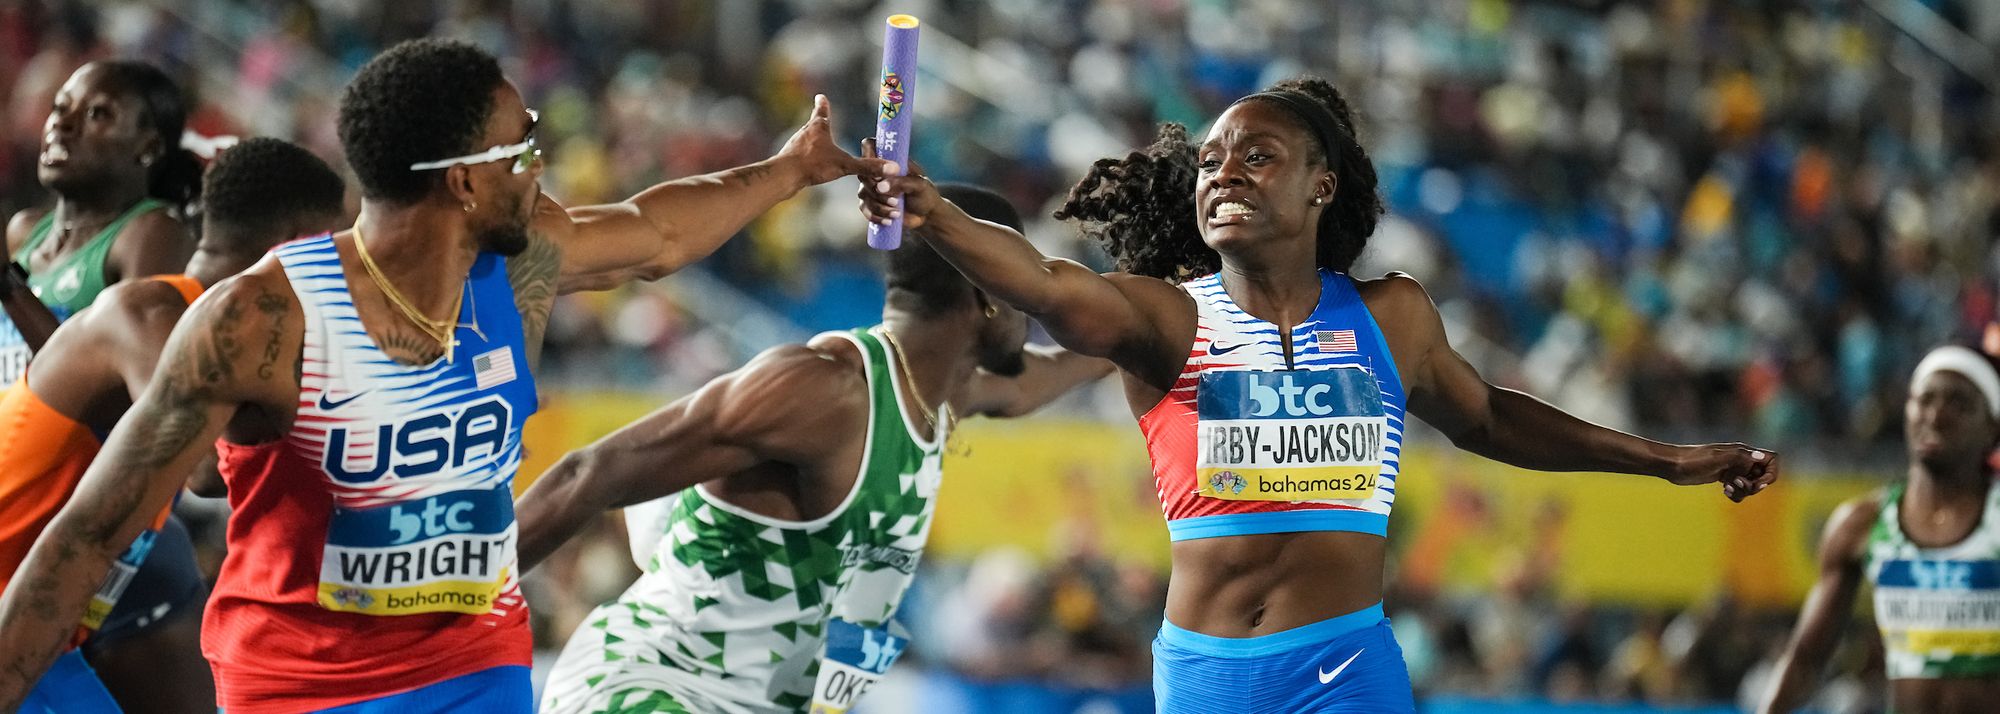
(747,176)
(205,373)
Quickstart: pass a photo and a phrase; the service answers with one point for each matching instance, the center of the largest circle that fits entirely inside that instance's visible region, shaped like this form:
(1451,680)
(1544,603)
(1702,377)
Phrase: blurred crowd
(1694,218)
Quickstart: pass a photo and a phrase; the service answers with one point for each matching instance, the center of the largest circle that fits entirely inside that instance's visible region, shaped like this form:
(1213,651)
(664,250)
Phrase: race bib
(1939,608)
(446,553)
(1294,435)
(855,659)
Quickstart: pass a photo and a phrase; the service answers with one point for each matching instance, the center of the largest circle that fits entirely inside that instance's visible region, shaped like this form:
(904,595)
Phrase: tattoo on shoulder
(274,310)
(533,275)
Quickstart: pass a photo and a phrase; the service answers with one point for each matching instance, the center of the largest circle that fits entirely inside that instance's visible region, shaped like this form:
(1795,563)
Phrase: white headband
(1970,364)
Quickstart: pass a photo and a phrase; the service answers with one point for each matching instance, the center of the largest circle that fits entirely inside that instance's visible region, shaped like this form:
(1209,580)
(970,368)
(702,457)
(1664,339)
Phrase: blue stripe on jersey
(1235,524)
(1940,574)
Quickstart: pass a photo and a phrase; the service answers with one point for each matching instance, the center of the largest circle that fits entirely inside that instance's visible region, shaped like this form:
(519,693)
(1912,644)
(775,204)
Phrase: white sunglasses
(524,154)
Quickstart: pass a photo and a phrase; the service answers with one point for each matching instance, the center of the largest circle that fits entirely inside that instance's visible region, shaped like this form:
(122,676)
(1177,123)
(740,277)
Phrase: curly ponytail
(1141,209)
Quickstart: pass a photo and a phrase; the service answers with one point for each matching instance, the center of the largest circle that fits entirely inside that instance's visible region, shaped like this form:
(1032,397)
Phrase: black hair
(1141,208)
(422,100)
(175,175)
(915,268)
(261,187)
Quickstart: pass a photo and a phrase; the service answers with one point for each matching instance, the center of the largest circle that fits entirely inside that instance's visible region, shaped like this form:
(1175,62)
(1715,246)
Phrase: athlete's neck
(212,262)
(1963,484)
(423,251)
(942,351)
(1281,295)
(90,210)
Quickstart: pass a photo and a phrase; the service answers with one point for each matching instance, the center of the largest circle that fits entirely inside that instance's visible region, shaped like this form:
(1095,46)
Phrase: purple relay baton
(892,124)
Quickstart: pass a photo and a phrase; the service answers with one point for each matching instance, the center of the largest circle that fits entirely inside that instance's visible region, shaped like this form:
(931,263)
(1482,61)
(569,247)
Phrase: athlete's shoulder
(134,305)
(21,224)
(259,299)
(1395,291)
(1848,527)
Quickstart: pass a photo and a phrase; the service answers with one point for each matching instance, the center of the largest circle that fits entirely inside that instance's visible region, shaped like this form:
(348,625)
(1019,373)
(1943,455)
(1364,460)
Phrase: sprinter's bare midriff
(1248,586)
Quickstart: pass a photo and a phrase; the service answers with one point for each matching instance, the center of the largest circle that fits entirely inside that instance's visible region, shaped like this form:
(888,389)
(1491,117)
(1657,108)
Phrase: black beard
(508,240)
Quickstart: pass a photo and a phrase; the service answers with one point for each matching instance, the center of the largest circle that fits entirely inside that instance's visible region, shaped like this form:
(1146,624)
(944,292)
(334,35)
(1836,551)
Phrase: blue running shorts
(499,690)
(69,687)
(1348,663)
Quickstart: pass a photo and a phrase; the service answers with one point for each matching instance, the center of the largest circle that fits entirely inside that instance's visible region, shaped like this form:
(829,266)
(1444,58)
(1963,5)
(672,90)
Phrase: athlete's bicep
(766,411)
(1444,389)
(222,355)
(781,407)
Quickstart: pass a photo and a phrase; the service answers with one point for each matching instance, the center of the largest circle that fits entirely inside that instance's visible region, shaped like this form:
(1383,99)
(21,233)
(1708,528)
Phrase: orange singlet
(43,454)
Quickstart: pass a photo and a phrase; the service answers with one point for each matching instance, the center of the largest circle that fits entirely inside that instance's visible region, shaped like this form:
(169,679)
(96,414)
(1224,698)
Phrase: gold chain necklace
(923,407)
(439,330)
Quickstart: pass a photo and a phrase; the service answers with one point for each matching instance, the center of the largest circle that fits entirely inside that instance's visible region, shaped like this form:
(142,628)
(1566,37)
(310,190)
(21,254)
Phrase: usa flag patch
(492,369)
(1337,341)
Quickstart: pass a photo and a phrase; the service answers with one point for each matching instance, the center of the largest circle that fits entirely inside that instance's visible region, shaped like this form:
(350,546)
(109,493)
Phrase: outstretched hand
(820,159)
(1743,471)
(886,193)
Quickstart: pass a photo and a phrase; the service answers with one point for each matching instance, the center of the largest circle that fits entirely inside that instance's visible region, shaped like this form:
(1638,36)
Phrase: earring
(991,311)
(1317,200)
(469,205)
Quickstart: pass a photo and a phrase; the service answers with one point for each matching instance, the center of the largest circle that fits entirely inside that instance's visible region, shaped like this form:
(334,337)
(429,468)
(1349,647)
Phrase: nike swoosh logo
(1216,348)
(1326,677)
(327,405)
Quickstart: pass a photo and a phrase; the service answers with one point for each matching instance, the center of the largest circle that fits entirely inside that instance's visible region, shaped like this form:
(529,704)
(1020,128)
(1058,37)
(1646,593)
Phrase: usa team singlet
(741,613)
(1246,443)
(1250,442)
(1938,608)
(372,548)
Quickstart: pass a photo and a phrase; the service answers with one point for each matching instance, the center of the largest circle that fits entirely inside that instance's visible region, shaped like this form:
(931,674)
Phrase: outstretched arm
(223,351)
(1050,372)
(671,225)
(781,407)
(1827,606)
(1515,428)
(1121,317)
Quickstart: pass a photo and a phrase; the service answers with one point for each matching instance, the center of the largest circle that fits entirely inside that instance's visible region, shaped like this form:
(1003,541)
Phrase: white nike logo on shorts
(1327,677)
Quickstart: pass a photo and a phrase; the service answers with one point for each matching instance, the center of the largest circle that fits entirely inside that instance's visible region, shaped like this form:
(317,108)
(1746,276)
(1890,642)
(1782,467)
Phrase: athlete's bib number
(1939,608)
(1295,435)
(446,553)
(855,659)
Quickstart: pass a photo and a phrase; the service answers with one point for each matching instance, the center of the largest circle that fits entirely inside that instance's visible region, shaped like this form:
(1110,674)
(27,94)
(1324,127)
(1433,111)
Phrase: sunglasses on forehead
(524,154)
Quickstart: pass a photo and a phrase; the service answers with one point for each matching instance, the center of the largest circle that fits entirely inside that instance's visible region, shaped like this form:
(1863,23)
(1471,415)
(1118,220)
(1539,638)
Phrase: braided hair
(1141,209)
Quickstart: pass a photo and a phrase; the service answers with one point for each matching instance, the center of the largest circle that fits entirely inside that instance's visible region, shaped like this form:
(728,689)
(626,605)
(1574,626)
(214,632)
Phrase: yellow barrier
(1461,522)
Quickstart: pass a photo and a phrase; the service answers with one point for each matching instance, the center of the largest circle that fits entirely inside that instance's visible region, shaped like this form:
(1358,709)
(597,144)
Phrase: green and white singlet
(734,609)
(1938,608)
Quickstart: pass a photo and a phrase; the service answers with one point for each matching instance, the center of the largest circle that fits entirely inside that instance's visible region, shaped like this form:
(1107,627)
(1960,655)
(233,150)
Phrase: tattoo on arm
(533,275)
(204,363)
(273,308)
(749,175)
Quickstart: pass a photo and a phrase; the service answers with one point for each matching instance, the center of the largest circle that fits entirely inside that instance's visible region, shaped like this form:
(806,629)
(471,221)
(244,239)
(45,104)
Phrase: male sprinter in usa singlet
(144,633)
(802,488)
(369,388)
